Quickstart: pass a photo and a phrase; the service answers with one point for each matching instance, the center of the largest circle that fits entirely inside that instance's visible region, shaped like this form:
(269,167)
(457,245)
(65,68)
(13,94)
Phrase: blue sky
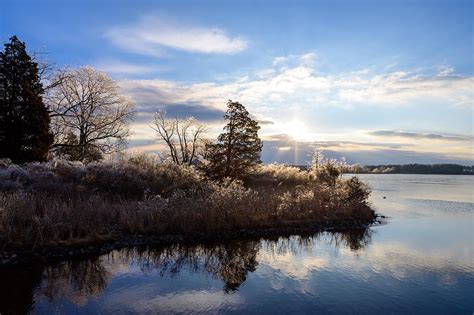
(374,81)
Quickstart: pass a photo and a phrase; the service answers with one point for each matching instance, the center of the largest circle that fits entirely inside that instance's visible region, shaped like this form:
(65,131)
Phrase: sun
(297,130)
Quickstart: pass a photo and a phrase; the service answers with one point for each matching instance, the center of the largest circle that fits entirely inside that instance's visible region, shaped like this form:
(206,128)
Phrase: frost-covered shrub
(146,216)
(278,174)
(120,180)
(327,173)
(131,180)
(352,192)
(5,162)
(307,201)
(45,219)
(12,177)
(203,207)
(323,172)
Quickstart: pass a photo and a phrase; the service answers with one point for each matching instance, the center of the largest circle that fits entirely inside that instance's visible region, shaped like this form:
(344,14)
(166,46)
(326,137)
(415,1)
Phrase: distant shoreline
(407,169)
(407,174)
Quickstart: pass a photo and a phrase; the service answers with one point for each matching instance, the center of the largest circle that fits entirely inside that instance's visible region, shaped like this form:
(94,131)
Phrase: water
(421,261)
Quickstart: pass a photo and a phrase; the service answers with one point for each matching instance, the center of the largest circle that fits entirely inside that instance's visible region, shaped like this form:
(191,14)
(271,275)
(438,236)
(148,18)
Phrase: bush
(278,175)
(328,173)
(353,193)
(44,219)
(127,179)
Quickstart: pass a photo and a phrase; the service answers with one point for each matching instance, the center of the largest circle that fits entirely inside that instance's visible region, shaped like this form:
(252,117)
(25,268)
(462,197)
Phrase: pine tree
(238,149)
(24,119)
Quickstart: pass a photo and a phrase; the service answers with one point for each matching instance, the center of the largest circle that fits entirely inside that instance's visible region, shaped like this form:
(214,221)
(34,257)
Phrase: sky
(375,82)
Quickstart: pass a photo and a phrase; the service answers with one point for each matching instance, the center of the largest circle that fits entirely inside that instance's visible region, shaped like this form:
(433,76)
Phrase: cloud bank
(417,135)
(293,87)
(282,86)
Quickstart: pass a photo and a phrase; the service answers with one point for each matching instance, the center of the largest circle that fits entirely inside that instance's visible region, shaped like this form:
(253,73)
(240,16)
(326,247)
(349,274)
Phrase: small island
(61,208)
(67,188)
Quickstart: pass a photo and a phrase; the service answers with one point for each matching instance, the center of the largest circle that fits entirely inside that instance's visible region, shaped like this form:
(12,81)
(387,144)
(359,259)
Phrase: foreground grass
(65,203)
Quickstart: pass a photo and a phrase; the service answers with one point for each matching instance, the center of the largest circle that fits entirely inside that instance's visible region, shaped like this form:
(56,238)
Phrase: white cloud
(279,60)
(445,71)
(153,33)
(308,59)
(401,88)
(256,90)
(421,135)
(139,300)
(291,265)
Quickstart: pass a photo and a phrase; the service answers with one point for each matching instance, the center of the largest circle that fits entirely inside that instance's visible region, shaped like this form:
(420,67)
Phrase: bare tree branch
(183,137)
(86,104)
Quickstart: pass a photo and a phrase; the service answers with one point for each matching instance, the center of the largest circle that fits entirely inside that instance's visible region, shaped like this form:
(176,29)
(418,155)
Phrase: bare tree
(49,74)
(89,117)
(184,137)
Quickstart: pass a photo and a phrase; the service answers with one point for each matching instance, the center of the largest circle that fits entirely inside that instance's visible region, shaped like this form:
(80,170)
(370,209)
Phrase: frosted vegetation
(64,202)
(63,187)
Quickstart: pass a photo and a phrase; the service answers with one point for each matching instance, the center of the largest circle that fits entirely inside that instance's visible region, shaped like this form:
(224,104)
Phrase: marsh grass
(61,203)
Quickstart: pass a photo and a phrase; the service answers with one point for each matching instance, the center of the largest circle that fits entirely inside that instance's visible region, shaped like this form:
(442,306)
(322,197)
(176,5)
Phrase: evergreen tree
(238,149)
(24,119)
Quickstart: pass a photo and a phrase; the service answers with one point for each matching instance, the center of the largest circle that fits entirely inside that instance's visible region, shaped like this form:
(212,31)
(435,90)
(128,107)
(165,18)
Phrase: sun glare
(297,130)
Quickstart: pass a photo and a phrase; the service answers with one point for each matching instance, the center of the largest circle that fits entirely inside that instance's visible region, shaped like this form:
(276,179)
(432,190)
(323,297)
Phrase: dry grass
(62,202)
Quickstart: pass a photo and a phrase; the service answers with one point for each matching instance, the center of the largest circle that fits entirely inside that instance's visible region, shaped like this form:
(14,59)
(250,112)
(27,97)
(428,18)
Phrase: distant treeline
(446,169)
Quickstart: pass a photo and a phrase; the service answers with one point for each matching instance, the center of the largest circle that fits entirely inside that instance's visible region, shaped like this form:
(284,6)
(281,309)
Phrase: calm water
(421,261)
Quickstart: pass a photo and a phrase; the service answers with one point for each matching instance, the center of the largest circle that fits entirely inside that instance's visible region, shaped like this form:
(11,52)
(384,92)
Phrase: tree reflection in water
(230,262)
(75,280)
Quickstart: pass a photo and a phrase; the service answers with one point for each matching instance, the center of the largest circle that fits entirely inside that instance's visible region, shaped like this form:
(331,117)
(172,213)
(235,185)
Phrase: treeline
(443,169)
(434,169)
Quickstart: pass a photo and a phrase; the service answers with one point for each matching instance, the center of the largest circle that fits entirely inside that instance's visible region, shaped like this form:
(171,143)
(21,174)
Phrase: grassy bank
(62,203)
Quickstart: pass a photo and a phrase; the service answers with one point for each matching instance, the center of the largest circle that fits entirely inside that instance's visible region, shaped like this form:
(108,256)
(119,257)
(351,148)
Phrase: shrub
(277,175)
(328,173)
(44,219)
(353,193)
(123,180)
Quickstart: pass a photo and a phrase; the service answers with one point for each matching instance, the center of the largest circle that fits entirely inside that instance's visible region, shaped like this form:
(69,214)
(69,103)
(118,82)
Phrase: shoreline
(15,255)
(472,174)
